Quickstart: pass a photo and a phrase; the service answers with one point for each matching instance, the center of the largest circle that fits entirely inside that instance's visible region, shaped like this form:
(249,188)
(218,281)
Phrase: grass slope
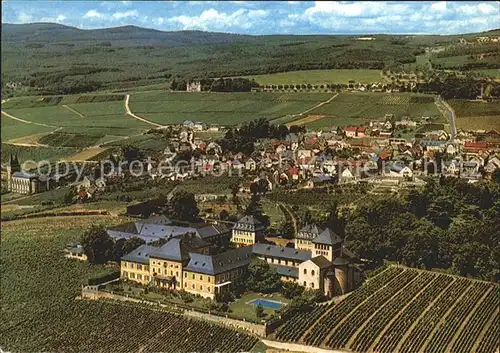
(472,115)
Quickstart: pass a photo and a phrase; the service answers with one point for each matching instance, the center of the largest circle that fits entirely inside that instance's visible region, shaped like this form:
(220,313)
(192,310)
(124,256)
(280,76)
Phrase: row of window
(312,273)
(193,287)
(165,272)
(242,232)
(242,240)
(193,276)
(137,266)
(302,241)
(280,262)
(165,264)
(322,246)
(310,285)
(136,276)
(324,253)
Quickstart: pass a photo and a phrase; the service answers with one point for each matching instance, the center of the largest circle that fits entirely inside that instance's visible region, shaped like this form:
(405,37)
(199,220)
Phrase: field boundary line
(341,322)
(485,329)
(443,319)
(469,316)
(365,322)
(395,317)
(27,121)
(129,112)
(74,111)
(414,324)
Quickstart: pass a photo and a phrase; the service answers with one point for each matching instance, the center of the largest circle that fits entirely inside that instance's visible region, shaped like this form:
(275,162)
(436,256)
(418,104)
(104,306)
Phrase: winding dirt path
(129,112)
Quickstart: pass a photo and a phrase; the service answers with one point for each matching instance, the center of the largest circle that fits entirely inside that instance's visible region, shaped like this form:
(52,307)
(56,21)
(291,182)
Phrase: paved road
(450,113)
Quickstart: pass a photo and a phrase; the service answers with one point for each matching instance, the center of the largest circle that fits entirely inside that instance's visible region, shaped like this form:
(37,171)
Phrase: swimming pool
(266,303)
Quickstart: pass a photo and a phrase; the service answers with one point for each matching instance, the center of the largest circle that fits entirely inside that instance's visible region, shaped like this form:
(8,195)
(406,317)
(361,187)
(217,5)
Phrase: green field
(102,115)
(13,129)
(471,115)
(220,108)
(359,108)
(318,77)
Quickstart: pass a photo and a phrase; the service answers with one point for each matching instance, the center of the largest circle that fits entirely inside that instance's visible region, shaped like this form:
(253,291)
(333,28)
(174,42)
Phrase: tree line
(237,84)
(449,225)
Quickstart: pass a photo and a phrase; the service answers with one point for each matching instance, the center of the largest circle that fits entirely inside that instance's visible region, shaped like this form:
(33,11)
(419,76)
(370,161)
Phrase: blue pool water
(266,303)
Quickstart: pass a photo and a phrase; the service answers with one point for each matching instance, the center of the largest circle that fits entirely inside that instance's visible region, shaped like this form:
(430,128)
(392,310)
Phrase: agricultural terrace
(220,108)
(93,116)
(359,108)
(40,313)
(476,115)
(404,310)
(316,77)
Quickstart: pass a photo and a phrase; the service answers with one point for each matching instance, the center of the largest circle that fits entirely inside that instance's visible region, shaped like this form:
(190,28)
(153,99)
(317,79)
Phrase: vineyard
(404,310)
(220,108)
(471,115)
(361,107)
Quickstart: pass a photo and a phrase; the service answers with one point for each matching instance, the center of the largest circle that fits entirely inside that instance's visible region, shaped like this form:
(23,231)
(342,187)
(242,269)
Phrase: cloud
(212,19)
(439,6)
(120,15)
(24,17)
(126,14)
(94,14)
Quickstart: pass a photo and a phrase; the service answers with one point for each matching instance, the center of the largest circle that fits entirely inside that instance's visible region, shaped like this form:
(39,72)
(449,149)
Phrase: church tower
(12,167)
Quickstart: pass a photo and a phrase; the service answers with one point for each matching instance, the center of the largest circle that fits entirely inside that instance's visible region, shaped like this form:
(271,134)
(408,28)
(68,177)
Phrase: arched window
(312,284)
(305,271)
(312,272)
(201,287)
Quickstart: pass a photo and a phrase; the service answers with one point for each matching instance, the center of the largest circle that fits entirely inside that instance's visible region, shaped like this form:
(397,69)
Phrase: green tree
(262,278)
(291,290)
(259,311)
(183,207)
(97,244)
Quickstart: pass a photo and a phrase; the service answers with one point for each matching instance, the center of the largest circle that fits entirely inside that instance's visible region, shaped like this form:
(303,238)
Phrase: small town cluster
(365,154)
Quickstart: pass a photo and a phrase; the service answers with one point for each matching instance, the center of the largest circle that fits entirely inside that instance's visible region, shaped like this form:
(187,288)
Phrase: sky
(265,17)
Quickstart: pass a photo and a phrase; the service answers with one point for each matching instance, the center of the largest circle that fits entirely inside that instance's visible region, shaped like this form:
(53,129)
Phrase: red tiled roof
(351,128)
(476,145)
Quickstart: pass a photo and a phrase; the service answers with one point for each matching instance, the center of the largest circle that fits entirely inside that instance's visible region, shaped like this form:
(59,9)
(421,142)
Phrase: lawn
(358,108)
(471,115)
(241,308)
(220,108)
(318,77)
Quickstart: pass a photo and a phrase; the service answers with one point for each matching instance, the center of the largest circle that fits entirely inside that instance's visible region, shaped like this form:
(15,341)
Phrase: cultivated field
(358,108)
(91,116)
(471,115)
(40,313)
(407,311)
(220,108)
(318,77)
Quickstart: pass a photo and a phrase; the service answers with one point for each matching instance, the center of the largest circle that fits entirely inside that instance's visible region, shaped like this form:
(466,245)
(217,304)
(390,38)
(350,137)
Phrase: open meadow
(476,115)
(39,286)
(318,77)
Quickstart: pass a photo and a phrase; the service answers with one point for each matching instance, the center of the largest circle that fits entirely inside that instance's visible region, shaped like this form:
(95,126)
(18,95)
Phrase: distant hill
(49,58)
(50,32)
